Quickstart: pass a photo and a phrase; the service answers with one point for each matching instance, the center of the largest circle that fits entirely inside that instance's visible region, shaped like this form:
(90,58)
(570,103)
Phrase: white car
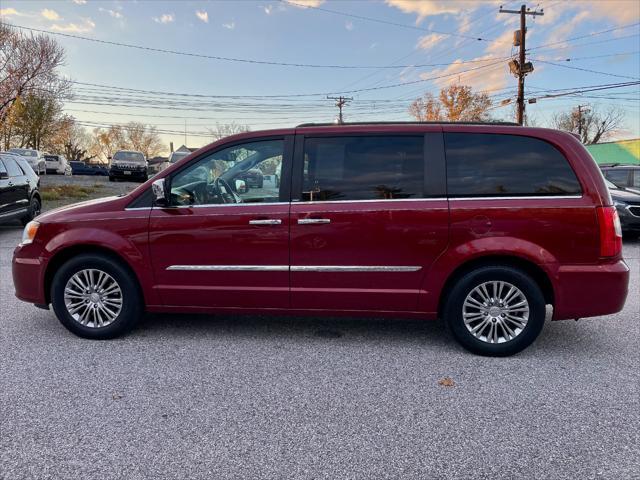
(57,164)
(35,158)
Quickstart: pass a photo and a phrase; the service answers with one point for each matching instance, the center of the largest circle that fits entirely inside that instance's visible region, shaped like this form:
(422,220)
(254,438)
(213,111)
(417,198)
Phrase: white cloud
(87,25)
(113,13)
(563,31)
(429,41)
(305,3)
(231,25)
(621,11)
(8,12)
(164,18)
(203,15)
(79,2)
(428,8)
(50,14)
(268,9)
(348,25)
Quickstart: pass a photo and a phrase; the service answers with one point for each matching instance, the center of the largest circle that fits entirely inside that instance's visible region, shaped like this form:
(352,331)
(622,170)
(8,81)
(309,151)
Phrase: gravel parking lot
(260,397)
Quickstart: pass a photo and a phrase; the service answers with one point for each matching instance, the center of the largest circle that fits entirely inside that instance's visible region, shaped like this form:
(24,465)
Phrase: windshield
(25,152)
(610,184)
(175,156)
(129,157)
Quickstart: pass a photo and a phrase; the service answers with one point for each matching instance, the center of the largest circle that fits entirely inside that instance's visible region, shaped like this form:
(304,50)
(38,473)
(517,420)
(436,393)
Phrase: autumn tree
(454,103)
(144,139)
(28,66)
(107,141)
(597,124)
(34,119)
(133,136)
(71,140)
(222,130)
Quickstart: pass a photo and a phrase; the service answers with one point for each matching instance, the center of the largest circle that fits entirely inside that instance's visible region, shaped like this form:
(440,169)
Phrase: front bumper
(28,275)
(590,290)
(124,173)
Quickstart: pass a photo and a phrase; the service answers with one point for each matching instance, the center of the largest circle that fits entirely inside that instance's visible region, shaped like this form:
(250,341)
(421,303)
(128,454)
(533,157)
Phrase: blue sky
(279,31)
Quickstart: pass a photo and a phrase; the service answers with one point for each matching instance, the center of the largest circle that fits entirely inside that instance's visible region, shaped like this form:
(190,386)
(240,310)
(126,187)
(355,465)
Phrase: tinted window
(12,167)
(2,168)
(363,168)
(509,165)
(636,178)
(619,176)
(129,156)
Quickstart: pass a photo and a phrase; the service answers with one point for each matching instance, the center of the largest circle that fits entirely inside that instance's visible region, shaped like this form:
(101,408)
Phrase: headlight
(29,232)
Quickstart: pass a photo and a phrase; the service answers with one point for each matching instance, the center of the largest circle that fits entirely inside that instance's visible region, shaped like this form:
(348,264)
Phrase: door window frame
(433,163)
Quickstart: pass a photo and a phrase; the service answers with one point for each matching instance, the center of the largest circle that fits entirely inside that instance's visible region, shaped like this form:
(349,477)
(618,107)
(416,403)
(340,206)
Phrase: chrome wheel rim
(93,298)
(495,312)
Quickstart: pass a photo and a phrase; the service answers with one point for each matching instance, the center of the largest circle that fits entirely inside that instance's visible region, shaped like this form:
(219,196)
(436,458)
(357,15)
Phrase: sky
(270,64)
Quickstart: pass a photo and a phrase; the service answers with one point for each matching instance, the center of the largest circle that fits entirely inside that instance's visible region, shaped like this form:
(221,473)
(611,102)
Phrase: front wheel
(33,212)
(495,311)
(96,297)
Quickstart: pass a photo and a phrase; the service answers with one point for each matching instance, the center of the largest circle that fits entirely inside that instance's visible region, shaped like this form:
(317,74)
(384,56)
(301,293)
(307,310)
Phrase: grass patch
(62,192)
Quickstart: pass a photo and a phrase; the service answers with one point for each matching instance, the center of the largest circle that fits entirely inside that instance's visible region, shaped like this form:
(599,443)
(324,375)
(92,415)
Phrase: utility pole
(581,108)
(520,67)
(340,102)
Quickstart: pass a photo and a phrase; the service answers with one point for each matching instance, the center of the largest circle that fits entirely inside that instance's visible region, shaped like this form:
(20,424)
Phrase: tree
(222,130)
(144,139)
(34,118)
(28,65)
(454,103)
(70,139)
(133,136)
(107,141)
(597,125)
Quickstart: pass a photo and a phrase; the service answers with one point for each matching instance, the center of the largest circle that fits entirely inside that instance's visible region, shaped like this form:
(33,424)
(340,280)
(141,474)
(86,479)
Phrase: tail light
(610,232)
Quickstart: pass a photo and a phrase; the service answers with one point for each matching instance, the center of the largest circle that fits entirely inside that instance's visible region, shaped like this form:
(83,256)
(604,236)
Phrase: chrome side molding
(297,268)
(231,268)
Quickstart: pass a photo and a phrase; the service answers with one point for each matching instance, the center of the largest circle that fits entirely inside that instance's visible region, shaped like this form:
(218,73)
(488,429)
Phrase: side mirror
(241,186)
(160,194)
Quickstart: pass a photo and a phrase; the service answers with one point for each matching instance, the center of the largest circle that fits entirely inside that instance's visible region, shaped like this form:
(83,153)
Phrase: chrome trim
(313,221)
(270,221)
(529,197)
(385,200)
(12,213)
(138,208)
(231,268)
(628,209)
(353,268)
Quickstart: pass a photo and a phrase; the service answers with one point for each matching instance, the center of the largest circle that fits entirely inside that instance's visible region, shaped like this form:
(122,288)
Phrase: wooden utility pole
(581,108)
(521,67)
(340,102)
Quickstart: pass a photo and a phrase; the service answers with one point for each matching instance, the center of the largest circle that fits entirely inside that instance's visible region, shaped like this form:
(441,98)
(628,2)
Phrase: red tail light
(610,232)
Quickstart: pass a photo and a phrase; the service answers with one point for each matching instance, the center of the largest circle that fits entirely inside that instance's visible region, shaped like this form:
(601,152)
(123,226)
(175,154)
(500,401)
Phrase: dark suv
(623,176)
(482,225)
(19,195)
(128,165)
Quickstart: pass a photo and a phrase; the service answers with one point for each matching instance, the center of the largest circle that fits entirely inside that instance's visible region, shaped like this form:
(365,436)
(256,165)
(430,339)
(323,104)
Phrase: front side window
(246,173)
(13,170)
(363,168)
(506,165)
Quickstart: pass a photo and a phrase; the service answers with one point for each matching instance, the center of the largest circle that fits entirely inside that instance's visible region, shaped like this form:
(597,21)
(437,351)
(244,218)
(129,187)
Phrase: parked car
(253,178)
(34,157)
(624,176)
(627,204)
(177,155)
(19,195)
(57,164)
(128,165)
(482,225)
(81,168)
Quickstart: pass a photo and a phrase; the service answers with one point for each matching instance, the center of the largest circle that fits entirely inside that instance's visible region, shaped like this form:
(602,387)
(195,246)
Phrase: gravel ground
(188,396)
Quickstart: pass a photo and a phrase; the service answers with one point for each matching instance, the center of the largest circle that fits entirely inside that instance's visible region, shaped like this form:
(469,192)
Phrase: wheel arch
(533,270)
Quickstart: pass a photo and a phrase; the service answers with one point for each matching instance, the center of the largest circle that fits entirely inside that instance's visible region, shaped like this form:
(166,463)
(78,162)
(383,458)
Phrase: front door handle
(266,221)
(313,221)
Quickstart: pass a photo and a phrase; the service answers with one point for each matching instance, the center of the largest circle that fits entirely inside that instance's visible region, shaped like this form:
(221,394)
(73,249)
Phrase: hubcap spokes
(93,298)
(495,312)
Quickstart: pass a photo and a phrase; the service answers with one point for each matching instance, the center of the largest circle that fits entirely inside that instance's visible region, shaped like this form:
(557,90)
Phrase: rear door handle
(313,221)
(266,221)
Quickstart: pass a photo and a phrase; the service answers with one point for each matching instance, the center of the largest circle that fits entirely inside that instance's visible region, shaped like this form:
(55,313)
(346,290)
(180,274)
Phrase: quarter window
(363,168)
(246,173)
(506,165)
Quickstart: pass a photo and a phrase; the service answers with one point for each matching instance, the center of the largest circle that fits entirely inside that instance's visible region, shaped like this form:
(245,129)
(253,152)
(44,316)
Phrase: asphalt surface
(257,397)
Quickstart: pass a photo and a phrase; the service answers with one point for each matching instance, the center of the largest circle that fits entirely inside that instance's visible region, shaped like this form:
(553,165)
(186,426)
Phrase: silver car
(35,158)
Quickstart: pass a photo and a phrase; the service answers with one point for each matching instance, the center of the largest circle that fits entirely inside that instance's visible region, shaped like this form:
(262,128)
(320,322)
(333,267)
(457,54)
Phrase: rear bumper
(590,290)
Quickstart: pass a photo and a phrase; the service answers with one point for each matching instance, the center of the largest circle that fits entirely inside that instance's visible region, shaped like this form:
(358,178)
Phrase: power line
(586,36)
(218,57)
(585,69)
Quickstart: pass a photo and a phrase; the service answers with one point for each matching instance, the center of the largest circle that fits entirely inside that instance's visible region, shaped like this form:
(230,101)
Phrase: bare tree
(144,139)
(107,141)
(133,136)
(28,65)
(70,139)
(222,130)
(454,103)
(596,125)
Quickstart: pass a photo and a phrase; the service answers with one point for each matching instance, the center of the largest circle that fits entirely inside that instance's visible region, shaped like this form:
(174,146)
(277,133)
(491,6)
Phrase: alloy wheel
(93,298)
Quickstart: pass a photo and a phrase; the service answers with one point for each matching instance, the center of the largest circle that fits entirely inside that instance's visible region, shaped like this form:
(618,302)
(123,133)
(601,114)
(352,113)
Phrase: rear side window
(619,176)
(506,165)
(363,168)
(12,167)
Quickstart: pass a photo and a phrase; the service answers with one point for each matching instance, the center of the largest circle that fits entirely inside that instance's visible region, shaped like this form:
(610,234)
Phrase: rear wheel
(495,311)
(96,297)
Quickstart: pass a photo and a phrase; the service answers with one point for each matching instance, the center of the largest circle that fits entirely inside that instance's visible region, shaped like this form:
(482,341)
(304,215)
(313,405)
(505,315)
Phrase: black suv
(623,176)
(128,165)
(627,203)
(19,195)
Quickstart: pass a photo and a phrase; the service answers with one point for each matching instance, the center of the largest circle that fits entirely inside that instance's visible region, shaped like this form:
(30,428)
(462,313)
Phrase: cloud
(305,3)
(87,25)
(7,12)
(348,25)
(79,2)
(429,41)
(203,15)
(563,31)
(428,8)
(268,9)
(164,18)
(50,14)
(113,13)
(620,11)
(491,78)
(231,25)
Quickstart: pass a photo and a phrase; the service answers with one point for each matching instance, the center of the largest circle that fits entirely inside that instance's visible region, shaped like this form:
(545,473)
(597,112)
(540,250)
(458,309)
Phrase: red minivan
(484,225)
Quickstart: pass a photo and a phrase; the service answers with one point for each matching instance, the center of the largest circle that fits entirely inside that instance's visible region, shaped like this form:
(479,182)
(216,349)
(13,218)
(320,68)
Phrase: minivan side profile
(483,225)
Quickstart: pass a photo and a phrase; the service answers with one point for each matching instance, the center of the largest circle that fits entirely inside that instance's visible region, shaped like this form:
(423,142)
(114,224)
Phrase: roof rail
(405,123)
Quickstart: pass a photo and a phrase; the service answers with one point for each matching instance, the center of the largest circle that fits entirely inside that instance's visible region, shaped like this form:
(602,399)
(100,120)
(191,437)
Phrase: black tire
(454,310)
(132,306)
(34,210)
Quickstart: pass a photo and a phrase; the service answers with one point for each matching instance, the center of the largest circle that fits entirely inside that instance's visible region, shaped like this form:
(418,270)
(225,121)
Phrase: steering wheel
(228,197)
